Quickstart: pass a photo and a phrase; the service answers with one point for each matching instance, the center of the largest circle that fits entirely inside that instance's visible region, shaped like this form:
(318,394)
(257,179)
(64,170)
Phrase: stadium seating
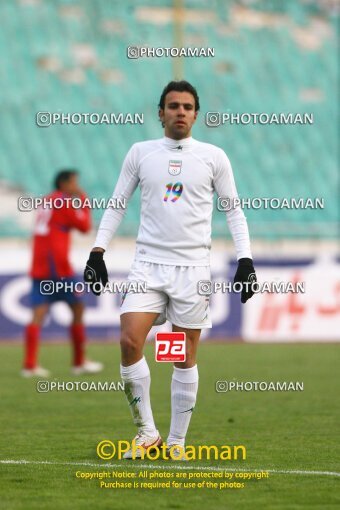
(67,56)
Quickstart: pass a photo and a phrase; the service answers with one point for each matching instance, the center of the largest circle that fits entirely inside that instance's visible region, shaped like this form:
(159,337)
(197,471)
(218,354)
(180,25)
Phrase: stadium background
(69,56)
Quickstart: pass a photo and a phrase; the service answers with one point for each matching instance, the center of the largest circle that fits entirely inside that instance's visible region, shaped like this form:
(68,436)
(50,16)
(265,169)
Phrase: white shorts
(172,291)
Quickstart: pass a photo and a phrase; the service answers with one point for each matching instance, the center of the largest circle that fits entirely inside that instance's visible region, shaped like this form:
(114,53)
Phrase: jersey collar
(178,145)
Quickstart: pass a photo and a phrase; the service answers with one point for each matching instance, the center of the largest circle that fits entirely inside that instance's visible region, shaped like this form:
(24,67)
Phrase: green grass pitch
(282,431)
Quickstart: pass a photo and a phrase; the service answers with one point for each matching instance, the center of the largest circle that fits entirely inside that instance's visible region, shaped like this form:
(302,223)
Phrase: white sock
(184,386)
(137,380)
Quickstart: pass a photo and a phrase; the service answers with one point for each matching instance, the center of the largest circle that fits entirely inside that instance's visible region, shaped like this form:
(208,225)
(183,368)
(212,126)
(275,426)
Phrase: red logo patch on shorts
(170,347)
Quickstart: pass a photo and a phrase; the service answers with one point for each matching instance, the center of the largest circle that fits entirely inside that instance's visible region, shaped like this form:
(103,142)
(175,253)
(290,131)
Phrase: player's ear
(161,116)
(195,116)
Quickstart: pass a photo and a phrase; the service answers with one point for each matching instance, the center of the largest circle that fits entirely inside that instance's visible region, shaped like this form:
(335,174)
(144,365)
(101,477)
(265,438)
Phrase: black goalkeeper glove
(95,272)
(245,274)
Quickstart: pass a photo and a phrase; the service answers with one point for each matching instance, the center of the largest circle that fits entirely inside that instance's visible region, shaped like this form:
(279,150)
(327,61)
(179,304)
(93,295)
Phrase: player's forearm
(239,230)
(78,218)
(107,228)
(83,224)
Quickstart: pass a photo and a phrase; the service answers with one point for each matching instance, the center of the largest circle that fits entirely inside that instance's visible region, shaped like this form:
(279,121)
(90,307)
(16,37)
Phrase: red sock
(77,333)
(32,334)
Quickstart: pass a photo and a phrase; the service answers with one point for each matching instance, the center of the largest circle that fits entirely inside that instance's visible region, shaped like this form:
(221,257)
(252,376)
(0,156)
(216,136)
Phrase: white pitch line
(172,467)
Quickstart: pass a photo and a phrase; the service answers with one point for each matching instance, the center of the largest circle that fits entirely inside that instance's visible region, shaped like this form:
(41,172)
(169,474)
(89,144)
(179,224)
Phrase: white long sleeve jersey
(177,179)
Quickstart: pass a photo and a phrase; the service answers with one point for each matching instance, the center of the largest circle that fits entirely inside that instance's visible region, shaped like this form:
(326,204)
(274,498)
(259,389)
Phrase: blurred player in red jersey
(51,246)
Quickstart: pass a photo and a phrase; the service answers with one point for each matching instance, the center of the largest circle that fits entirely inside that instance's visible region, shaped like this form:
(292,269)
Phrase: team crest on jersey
(175,166)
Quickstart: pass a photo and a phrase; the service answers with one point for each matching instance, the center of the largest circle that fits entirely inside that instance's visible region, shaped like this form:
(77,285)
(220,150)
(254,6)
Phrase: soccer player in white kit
(177,176)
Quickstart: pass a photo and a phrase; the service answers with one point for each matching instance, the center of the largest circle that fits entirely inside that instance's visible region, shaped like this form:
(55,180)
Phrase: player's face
(71,186)
(178,115)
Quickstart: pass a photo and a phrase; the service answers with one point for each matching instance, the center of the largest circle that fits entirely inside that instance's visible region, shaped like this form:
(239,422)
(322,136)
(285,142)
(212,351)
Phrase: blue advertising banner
(102,313)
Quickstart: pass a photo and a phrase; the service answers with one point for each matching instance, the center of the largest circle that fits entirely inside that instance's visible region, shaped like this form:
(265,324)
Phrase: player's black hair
(179,86)
(63,176)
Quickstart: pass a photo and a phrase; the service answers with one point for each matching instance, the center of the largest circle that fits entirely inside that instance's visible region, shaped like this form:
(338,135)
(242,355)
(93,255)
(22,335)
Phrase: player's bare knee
(129,344)
(39,314)
(77,312)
